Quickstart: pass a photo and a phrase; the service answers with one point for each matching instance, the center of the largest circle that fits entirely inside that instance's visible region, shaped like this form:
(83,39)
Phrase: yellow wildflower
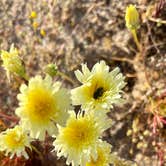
(100,89)
(78,141)
(13,142)
(42,106)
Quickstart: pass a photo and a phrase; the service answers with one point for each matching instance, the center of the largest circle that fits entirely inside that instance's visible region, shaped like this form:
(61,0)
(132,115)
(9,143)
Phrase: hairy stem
(134,33)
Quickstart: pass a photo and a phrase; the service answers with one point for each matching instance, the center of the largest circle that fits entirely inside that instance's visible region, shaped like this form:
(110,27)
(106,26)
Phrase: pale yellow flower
(103,155)
(42,105)
(132,17)
(13,142)
(78,141)
(100,88)
(12,62)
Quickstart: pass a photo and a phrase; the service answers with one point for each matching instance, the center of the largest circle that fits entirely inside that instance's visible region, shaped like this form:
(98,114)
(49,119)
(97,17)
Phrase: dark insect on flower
(98,93)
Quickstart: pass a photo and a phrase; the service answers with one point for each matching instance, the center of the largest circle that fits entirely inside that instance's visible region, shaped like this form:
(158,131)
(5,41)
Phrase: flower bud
(12,62)
(33,15)
(132,17)
(51,69)
(42,32)
(35,25)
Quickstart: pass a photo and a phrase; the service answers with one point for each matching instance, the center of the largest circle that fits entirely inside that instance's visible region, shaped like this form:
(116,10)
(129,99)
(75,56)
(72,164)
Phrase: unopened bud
(132,17)
(12,62)
(33,15)
(51,69)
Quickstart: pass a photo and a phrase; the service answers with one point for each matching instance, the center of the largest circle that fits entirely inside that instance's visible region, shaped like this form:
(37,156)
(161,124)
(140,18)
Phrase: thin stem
(37,151)
(26,77)
(162,120)
(66,77)
(134,33)
(157,20)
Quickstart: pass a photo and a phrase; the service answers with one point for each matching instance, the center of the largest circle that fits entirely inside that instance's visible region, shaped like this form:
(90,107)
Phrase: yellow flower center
(13,140)
(79,133)
(40,105)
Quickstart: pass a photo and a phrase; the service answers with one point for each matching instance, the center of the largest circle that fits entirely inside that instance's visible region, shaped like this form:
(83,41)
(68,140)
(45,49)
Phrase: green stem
(134,33)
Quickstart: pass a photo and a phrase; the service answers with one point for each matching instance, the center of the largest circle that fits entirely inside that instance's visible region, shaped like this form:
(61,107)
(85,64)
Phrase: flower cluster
(80,141)
(42,105)
(76,119)
(45,107)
